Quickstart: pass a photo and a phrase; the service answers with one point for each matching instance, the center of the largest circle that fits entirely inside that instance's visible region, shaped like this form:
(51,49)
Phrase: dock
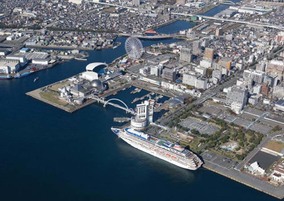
(51,100)
(50,94)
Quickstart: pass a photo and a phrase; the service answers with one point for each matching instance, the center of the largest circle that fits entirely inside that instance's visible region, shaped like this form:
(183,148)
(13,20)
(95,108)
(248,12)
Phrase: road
(231,20)
(209,93)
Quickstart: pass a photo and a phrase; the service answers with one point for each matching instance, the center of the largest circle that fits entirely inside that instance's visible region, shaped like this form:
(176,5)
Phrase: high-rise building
(218,32)
(217,74)
(255,76)
(136,2)
(276,68)
(201,83)
(237,98)
(196,47)
(265,89)
(193,80)
(225,63)
(169,74)
(185,55)
(189,79)
(144,114)
(156,70)
(180,2)
(208,54)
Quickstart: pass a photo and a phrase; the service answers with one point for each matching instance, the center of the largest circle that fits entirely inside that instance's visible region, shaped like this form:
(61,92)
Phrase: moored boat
(165,150)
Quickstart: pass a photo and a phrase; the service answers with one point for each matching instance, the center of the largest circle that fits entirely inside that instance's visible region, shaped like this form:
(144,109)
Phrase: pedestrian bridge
(110,102)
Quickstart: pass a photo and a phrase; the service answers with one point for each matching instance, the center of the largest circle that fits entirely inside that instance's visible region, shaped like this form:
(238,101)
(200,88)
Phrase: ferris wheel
(134,48)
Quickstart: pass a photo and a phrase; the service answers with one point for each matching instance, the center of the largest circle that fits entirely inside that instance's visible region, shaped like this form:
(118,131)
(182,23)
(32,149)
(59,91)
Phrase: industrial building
(8,66)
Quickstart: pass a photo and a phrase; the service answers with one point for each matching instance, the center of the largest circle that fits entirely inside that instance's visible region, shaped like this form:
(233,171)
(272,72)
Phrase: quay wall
(246,179)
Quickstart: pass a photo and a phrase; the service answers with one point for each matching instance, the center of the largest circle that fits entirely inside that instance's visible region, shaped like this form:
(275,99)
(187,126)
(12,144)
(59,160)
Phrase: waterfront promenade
(245,179)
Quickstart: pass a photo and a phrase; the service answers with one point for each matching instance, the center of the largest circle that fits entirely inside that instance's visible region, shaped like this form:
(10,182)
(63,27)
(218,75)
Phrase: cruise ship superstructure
(159,148)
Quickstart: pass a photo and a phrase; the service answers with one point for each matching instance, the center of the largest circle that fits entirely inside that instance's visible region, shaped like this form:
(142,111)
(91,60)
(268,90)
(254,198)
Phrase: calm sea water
(48,154)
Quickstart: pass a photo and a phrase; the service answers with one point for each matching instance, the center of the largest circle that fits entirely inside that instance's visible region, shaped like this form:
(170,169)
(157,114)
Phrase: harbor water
(48,154)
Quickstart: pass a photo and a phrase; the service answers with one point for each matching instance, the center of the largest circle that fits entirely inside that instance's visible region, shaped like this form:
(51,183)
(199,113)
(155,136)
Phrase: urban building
(189,79)
(8,66)
(265,89)
(255,169)
(217,74)
(169,74)
(278,91)
(272,1)
(89,75)
(279,105)
(255,76)
(201,83)
(156,70)
(21,59)
(218,32)
(136,2)
(193,80)
(196,47)
(225,63)
(75,1)
(237,98)
(276,68)
(205,63)
(185,55)
(180,2)
(144,115)
(208,54)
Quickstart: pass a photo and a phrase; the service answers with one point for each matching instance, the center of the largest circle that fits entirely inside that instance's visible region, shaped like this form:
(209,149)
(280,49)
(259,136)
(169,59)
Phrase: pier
(245,179)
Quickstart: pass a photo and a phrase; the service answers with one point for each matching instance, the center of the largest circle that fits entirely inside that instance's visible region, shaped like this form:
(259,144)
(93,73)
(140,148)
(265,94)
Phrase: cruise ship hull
(191,163)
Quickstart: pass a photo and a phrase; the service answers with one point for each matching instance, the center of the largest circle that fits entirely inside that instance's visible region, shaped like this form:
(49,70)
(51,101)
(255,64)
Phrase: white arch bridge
(110,102)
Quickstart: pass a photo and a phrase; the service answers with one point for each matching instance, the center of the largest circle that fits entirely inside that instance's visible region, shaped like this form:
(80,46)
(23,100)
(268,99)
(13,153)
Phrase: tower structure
(144,114)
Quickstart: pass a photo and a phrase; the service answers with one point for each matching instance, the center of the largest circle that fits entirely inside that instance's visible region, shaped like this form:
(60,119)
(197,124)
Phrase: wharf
(151,88)
(246,179)
(114,91)
(164,24)
(49,94)
(56,102)
(59,47)
(121,119)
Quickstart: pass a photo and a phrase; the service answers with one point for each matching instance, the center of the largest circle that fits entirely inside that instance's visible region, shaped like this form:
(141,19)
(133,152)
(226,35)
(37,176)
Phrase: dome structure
(97,84)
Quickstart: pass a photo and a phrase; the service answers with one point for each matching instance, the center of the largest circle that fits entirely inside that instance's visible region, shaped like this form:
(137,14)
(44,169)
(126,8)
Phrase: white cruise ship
(162,149)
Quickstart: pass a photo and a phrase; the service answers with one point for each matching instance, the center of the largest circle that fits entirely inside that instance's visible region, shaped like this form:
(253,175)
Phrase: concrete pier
(246,179)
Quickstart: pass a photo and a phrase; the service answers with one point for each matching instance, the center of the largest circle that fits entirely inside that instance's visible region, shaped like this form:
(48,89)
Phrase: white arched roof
(92,66)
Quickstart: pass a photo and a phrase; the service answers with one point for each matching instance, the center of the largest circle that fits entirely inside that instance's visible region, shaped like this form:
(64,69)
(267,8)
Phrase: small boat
(80,59)
(36,79)
(5,77)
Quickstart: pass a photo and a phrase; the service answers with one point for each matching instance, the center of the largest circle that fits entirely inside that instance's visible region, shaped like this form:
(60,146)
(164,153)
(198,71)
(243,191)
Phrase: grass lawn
(275,145)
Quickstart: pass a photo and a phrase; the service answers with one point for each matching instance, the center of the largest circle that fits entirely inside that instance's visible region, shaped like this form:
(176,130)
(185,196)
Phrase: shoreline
(246,179)
(233,174)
